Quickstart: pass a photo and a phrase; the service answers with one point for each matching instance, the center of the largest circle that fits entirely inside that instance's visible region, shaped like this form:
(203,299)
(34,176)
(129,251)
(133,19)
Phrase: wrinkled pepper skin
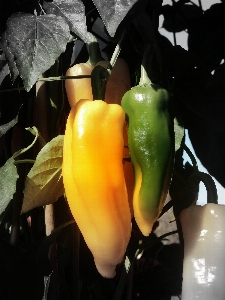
(94,180)
(151,145)
(117,85)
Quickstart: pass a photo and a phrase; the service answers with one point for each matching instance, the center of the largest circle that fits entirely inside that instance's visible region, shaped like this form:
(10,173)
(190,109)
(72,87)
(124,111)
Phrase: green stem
(94,51)
(99,77)
(12,90)
(63,78)
(32,161)
(145,80)
(27,148)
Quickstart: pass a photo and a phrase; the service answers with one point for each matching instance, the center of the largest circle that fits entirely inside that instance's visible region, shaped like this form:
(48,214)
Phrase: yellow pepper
(94,180)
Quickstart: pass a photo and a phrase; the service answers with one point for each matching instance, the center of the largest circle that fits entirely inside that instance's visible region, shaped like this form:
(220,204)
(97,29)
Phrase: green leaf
(73,11)
(179,134)
(44,183)
(33,43)
(113,12)
(8,178)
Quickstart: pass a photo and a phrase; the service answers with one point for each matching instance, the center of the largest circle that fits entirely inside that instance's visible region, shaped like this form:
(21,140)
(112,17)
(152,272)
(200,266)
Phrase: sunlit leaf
(179,134)
(8,178)
(73,11)
(44,181)
(113,12)
(33,43)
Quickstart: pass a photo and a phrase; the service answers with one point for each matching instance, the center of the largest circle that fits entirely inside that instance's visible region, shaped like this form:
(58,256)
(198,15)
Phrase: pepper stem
(93,50)
(145,80)
(99,77)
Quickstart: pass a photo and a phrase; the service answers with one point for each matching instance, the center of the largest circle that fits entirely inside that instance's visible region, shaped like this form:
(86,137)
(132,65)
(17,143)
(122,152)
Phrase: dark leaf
(183,190)
(9,109)
(209,146)
(9,7)
(113,12)
(73,11)
(35,43)
(179,19)
(206,35)
(4,128)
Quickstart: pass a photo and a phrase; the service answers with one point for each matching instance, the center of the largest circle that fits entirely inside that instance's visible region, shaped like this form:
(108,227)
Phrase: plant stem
(99,77)
(212,196)
(193,160)
(76,259)
(145,80)
(200,4)
(17,205)
(117,50)
(22,161)
(27,148)
(131,254)
(63,78)
(94,51)
(49,219)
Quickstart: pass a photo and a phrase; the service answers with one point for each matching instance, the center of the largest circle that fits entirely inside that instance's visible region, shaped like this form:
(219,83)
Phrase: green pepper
(151,145)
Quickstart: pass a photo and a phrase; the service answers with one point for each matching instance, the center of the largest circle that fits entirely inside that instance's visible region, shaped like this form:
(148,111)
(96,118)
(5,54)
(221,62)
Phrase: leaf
(44,181)
(5,127)
(206,35)
(73,11)
(113,12)
(178,18)
(10,57)
(33,43)
(8,178)
(4,68)
(179,134)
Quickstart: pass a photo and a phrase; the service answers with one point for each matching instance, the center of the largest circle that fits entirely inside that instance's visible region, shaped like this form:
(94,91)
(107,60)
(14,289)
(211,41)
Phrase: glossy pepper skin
(151,145)
(94,180)
(117,85)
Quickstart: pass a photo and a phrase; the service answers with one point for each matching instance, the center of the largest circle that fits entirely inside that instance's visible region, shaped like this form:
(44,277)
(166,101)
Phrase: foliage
(39,41)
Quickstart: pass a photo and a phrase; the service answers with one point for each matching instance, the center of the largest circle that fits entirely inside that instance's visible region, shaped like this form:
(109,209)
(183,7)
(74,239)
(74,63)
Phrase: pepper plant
(57,57)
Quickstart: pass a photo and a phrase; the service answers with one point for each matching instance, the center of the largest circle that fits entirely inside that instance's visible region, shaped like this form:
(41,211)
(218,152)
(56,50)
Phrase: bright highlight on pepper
(94,180)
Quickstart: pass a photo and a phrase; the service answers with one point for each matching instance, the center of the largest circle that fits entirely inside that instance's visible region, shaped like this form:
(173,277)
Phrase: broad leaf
(113,12)
(8,178)
(73,11)
(44,181)
(33,43)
